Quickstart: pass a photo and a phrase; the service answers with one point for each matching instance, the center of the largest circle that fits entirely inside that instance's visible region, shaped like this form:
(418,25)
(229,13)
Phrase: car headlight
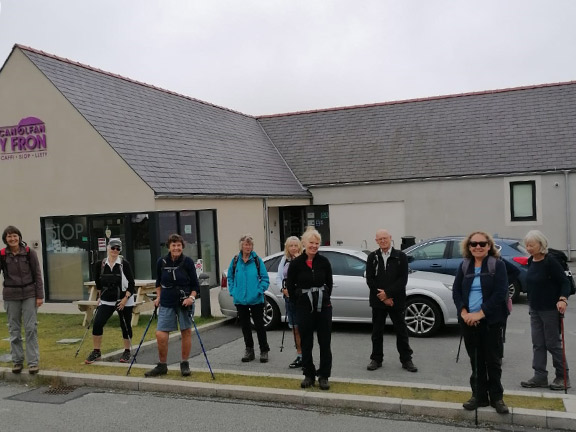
(449,286)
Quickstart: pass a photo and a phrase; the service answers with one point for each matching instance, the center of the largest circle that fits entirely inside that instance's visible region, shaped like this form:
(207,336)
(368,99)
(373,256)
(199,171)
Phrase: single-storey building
(86,155)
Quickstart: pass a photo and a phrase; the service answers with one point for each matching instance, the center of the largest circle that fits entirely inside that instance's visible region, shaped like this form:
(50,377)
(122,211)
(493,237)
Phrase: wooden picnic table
(141,303)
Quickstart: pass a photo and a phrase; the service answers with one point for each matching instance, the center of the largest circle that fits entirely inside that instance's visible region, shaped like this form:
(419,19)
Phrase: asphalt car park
(429,304)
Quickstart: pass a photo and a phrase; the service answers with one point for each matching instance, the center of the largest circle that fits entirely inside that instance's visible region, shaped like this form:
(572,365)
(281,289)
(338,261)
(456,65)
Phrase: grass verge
(61,357)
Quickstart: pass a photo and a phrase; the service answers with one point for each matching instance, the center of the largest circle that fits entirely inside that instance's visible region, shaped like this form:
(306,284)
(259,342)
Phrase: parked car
(429,303)
(443,255)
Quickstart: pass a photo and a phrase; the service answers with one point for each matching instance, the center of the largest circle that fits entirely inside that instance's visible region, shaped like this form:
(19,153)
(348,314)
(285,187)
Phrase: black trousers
(104,313)
(321,322)
(484,347)
(257,312)
(402,342)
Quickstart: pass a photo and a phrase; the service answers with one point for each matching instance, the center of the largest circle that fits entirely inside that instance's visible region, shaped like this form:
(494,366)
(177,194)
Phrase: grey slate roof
(177,145)
(500,132)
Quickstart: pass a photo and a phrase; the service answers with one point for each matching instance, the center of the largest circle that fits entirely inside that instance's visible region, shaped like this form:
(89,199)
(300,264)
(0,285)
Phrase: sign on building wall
(26,140)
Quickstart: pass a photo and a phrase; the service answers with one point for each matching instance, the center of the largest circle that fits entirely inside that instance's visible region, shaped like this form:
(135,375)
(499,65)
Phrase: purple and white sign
(24,141)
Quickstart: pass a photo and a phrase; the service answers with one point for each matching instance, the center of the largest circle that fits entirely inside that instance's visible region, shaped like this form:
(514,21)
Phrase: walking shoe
(264,357)
(248,355)
(296,363)
(323,383)
(34,369)
(125,358)
(500,407)
(160,369)
(373,365)
(307,382)
(558,384)
(93,356)
(409,366)
(185,368)
(17,368)
(535,382)
(473,403)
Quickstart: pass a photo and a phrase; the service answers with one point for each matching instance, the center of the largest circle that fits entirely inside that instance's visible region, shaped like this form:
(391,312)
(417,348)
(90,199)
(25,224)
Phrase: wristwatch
(192,297)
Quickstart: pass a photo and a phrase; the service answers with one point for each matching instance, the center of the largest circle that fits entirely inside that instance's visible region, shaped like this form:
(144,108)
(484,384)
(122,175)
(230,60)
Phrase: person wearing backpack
(548,291)
(480,293)
(116,288)
(23,294)
(247,281)
(176,290)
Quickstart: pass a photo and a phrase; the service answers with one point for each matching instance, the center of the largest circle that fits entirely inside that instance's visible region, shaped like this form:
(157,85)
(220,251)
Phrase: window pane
(430,251)
(208,250)
(522,194)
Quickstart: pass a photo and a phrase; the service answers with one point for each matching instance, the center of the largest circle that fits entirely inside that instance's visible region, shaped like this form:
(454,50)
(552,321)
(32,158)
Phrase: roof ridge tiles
(113,75)
(423,99)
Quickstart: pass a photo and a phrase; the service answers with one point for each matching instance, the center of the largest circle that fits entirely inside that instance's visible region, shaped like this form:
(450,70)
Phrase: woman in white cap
(115,284)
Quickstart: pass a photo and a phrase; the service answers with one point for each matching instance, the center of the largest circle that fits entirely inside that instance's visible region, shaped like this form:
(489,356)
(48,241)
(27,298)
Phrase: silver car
(429,303)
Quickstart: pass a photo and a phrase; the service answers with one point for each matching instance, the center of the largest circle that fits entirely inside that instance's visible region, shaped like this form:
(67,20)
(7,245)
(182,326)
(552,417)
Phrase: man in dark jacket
(387,276)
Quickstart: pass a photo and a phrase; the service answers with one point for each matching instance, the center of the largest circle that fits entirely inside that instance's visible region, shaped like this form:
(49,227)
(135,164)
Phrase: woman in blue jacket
(247,281)
(480,293)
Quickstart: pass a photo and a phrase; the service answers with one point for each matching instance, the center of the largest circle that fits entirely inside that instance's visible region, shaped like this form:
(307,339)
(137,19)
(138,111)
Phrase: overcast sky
(277,56)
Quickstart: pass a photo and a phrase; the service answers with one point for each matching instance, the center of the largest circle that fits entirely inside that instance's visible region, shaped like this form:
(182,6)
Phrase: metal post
(206,308)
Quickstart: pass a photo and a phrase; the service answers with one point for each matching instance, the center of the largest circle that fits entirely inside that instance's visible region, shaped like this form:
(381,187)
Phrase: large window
(523,200)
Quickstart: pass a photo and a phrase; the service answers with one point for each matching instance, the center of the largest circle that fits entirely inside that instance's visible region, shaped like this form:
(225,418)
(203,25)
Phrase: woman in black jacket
(309,286)
(116,287)
(480,293)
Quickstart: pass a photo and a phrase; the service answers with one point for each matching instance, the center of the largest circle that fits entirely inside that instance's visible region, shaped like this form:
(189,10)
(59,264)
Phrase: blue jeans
(23,312)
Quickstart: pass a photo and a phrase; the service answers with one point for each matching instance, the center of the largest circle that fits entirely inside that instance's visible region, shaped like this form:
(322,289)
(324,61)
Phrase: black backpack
(561,257)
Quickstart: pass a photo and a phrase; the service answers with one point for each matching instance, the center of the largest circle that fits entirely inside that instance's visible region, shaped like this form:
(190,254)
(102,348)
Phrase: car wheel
(514,291)
(423,317)
(271,314)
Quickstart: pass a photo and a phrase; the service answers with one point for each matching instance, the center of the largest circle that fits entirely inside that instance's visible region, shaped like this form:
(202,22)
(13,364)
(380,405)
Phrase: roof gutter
(306,195)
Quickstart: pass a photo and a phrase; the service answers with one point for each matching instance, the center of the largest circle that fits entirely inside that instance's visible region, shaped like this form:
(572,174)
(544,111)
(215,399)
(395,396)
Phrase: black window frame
(533,217)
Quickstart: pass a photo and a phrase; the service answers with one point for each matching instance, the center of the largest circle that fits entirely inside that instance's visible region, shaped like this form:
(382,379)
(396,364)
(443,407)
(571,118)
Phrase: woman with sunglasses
(480,293)
(116,287)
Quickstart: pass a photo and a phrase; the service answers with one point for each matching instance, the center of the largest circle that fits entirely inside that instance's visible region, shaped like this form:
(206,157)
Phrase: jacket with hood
(244,285)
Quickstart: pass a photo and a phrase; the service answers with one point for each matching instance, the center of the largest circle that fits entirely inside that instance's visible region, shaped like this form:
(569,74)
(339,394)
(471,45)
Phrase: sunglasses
(116,248)
(481,244)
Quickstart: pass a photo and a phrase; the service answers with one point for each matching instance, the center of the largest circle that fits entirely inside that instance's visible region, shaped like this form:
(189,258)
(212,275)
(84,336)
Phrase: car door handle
(435,265)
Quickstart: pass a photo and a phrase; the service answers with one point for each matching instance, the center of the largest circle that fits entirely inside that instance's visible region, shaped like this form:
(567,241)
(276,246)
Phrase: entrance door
(102,229)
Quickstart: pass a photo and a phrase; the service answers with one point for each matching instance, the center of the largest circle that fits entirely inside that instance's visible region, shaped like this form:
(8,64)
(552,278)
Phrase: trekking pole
(125,327)
(459,346)
(563,353)
(476,374)
(86,332)
(142,340)
(200,340)
(284,330)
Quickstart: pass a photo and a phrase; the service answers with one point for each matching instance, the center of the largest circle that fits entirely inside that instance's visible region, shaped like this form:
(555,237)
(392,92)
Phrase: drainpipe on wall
(266,226)
(568,221)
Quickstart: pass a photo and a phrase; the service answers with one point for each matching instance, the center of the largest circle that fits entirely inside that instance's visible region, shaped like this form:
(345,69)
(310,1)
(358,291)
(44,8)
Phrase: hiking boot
(160,369)
(185,368)
(17,368)
(248,355)
(125,358)
(500,407)
(409,366)
(373,365)
(34,369)
(296,363)
(473,403)
(264,357)
(535,382)
(323,383)
(307,382)
(93,356)
(558,384)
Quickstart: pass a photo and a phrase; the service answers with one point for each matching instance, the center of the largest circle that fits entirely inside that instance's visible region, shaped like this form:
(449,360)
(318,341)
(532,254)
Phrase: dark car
(443,255)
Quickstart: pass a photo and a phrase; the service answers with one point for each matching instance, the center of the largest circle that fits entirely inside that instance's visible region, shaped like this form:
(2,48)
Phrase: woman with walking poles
(480,293)
(116,288)
(309,286)
(548,291)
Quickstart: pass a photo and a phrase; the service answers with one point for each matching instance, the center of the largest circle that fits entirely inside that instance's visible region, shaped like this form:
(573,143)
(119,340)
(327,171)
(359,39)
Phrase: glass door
(102,229)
